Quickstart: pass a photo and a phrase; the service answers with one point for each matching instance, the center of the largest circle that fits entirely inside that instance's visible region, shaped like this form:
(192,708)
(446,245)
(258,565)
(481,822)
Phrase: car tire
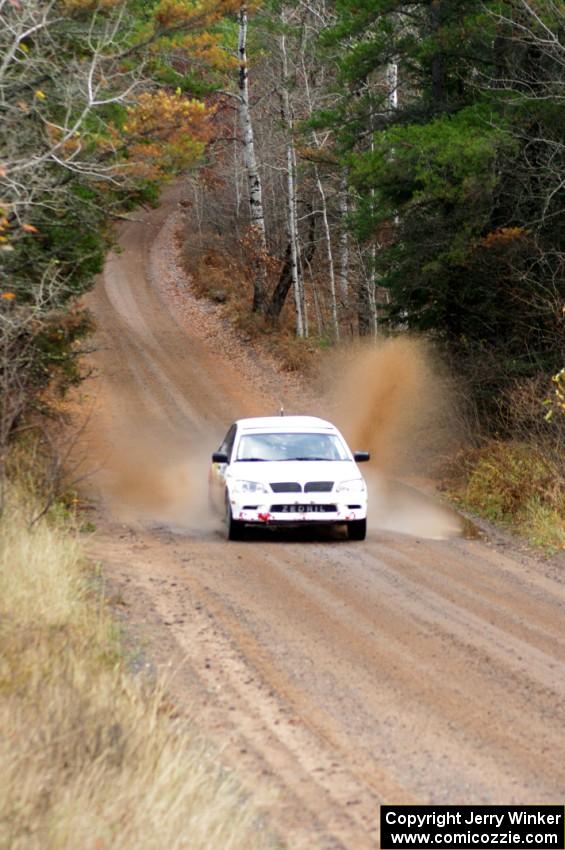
(236,529)
(357,529)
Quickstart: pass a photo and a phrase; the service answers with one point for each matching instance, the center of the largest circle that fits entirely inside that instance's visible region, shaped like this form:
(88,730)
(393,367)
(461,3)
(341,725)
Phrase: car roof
(285,423)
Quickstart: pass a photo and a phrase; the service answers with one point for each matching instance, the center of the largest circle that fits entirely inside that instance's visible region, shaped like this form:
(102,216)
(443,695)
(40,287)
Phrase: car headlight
(249,487)
(355,485)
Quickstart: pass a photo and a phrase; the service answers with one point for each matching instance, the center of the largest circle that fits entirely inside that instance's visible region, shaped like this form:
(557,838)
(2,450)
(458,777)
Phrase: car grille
(286,487)
(318,486)
(303,509)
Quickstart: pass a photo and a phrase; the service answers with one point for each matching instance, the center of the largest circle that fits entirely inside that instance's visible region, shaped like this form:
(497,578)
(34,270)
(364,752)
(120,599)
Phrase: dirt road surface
(333,676)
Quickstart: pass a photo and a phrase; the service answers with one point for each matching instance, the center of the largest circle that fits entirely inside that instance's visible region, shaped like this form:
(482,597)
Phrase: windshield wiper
(307,458)
(246,459)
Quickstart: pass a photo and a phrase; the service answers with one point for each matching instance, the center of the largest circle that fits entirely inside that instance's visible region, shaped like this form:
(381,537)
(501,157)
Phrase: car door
(218,472)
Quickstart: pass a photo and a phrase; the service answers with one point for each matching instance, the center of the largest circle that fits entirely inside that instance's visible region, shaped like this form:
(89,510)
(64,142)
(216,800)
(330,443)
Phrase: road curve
(334,676)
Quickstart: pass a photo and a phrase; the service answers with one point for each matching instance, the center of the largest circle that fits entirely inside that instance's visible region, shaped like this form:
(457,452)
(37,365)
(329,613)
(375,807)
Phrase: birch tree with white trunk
(343,273)
(256,212)
(319,144)
(292,223)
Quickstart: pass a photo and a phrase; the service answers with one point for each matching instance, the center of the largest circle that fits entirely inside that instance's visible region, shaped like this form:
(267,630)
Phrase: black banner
(472,827)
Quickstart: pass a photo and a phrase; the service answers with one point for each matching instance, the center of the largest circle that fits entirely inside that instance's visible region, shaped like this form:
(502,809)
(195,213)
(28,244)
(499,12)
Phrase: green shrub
(518,485)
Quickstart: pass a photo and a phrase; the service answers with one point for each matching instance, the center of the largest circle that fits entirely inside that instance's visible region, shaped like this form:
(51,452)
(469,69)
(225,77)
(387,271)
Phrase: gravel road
(333,675)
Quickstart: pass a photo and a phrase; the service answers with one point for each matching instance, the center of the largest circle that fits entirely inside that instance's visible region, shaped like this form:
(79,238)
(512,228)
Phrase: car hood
(300,471)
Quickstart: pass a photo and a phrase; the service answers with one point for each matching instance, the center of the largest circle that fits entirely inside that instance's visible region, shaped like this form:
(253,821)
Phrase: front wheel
(235,528)
(357,529)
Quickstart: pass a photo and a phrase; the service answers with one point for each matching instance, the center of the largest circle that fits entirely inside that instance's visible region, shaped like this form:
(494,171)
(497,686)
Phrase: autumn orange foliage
(164,131)
(179,13)
(88,5)
(503,236)
(204,47)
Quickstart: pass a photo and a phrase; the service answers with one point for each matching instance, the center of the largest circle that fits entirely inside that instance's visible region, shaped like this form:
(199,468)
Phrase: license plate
(303,509)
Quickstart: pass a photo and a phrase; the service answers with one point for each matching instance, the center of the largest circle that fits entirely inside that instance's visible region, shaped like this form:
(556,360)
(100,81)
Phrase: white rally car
(288,471)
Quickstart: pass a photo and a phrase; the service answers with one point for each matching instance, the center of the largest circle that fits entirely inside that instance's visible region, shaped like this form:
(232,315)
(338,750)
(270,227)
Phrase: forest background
(354,168)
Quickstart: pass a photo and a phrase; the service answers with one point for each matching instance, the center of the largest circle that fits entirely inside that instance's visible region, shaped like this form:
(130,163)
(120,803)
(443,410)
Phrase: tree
(460,189)
(256,214)
(87,130)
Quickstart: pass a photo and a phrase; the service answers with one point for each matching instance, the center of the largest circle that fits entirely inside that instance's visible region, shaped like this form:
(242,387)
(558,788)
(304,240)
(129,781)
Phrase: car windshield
(275,447)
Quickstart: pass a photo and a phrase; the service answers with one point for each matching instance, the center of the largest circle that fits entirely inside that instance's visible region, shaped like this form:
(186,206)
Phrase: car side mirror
(219,457)
(361,457)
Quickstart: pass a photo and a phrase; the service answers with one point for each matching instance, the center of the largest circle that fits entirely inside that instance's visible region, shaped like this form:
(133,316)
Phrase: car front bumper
(301,513)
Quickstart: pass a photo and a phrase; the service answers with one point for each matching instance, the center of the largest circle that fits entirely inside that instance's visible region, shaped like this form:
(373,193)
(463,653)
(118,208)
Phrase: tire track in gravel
(334,676)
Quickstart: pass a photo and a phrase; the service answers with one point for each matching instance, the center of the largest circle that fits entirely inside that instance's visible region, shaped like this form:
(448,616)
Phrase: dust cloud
(394,400)
(146,471)
(159,484)
(391,399)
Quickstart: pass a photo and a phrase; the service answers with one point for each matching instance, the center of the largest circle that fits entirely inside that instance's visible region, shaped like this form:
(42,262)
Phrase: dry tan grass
(88,760)
(518,485)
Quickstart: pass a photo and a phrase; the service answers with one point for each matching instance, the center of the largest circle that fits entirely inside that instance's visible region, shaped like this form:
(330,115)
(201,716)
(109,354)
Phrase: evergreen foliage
(460,187)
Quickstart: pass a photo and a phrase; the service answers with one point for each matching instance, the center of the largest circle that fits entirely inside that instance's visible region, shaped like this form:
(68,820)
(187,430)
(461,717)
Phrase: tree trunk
(329,253)
(284,283)
(343,274)
(292,224)
(438,59)
(253,177)
(365,322)
(369,323)
(392,85)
